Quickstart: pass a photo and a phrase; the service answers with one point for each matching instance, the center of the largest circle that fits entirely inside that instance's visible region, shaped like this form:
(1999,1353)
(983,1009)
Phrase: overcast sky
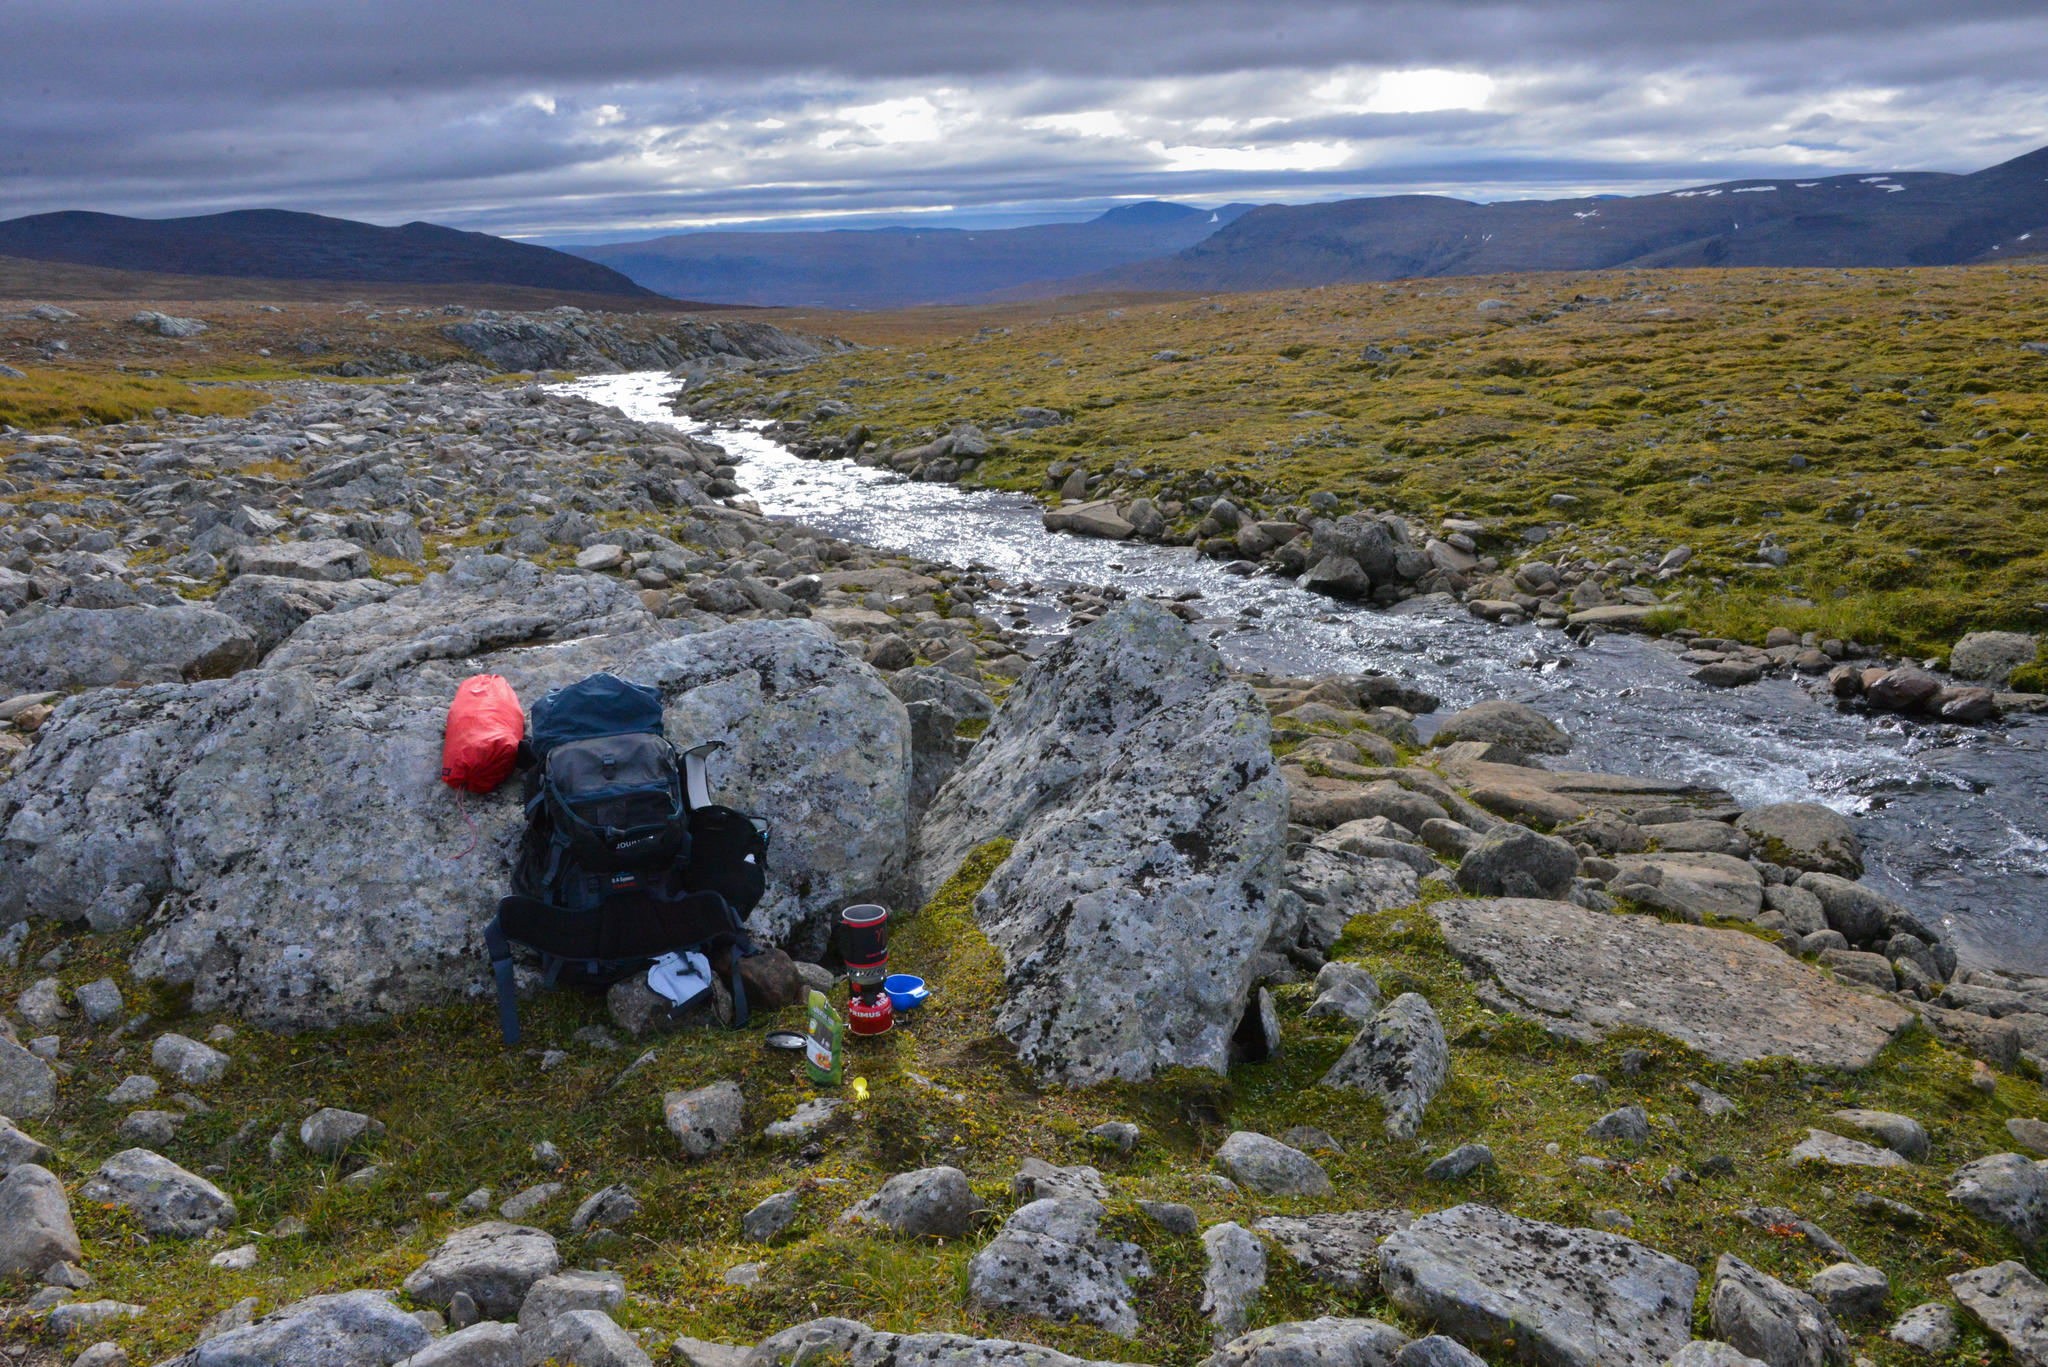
(609,118)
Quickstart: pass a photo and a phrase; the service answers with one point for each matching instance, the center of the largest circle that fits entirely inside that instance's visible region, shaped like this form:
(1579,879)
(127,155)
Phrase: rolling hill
(278,244)
(882,268)
(1903,219)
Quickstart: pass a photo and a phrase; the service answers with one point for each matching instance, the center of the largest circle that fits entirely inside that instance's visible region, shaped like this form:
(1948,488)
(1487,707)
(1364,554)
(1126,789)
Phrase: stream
(1954,820)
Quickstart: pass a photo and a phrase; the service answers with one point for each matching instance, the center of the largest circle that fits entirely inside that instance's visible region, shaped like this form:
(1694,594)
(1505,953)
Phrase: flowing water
(1954,820)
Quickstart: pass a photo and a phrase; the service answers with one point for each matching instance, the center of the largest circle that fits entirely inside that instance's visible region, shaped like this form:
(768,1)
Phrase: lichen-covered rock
(70,647)
(1325,1342)
(1566,1297)
(2007,1189)
(2012,1303)
(1137,780)
(585,1338)
(331,1132)
(331,560)
(27,1086)
(352,1329)
(1233,1279)
(1341,1248)
(494,1263)
(162,1197)
(1515,862)
(1502,722)
(290,828)
(928,1203)
(1050,1261)
(1770,1321)
(705,1119)
(1804,835)
(1270,1167)
(35,1222)
(1401,1057)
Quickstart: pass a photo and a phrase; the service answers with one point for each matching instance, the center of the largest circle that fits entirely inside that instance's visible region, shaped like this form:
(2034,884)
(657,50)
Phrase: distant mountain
(277,244)
(880,268)
(1902,219)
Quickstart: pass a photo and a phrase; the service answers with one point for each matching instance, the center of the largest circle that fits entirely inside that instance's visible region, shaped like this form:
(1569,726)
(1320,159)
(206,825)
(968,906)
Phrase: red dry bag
(485,726)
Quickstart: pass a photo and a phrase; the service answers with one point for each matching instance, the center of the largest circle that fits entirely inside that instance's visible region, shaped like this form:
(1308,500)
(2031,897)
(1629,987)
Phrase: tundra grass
(463,1112)
(1884,426)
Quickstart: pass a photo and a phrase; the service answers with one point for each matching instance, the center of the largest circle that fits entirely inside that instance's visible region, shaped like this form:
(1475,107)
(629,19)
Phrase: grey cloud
(395,111)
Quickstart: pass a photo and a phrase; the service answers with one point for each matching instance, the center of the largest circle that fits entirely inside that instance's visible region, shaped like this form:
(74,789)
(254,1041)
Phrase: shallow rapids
(1954,819)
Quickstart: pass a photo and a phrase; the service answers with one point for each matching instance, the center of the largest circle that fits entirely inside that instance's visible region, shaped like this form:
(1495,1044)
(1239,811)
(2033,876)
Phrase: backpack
(625,858)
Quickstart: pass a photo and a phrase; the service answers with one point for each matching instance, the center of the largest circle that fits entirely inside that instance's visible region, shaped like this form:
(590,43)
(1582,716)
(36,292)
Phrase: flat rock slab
(1729,995)
(1340,1248)
(2012,1303)
(1566,1297)
(495,1264)
(1624,794)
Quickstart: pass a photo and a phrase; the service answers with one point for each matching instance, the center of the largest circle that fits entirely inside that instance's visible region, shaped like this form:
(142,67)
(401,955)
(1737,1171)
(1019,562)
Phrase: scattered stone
(2030,1132)
(1804,835)
(928,1203)
(586,1338)
(1712,1104)
(1324,1342)
(520,1205)
(1901,1134)
(189,1061)
(1514,861)
(768,1219)
(489,1344)
(1235,1276)
(35,1222)
(494,1263)
(1625,1125)
(149,1128)
(607,1208)
(134,1088)
(1401,1057)
(162,1197)
(1171,1216)
(1501,722)
(239,1259)
(1826,1149)
(100,1001)
(1712,1353)
(331,1133)
(1345,990)
(807,1119)
(1050,1261)
(1929,1329)
(76,1317)
(1437,1351)
(1565,1297)
(707,1119)
(1770,1321)
(28,1087)
(1309,1139)
(1462,1161)
(560,1292)
(2005,1189)
(1851,1290)
(1271,1168)
(2012,1303)
(1036,1179)
(1120,1135)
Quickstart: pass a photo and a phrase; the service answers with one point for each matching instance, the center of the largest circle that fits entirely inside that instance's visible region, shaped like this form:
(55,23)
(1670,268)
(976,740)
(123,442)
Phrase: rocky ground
(1262,1033)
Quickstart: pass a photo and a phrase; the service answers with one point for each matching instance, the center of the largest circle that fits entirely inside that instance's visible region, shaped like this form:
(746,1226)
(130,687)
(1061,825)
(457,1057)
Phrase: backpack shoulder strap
(501,969)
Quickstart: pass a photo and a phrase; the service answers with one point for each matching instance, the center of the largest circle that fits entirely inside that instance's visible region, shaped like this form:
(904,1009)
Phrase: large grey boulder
(2007,1189)
(1364,540)
(1325,1342)
(28,1088)
(1138,783)
(1498,721)
(1566,1297)
(1712,1353)
(494,1263)
(1582,973)
(556,1295)
(1902,1134)
(1401,1057)
(35,1222)
(1050,1261)
(162,1197)
(1770,1321)
(2012,1303)
(1991,656)
(352,1329)
(1805,836)
(187,1060)
(291,828)
(83,647)
(17,1148)
(860,1346)
(928,1203)
(1516,862)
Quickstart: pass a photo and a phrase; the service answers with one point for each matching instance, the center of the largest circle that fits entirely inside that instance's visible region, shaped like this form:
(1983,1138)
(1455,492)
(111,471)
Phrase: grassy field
(464,1112)
(1885,426)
